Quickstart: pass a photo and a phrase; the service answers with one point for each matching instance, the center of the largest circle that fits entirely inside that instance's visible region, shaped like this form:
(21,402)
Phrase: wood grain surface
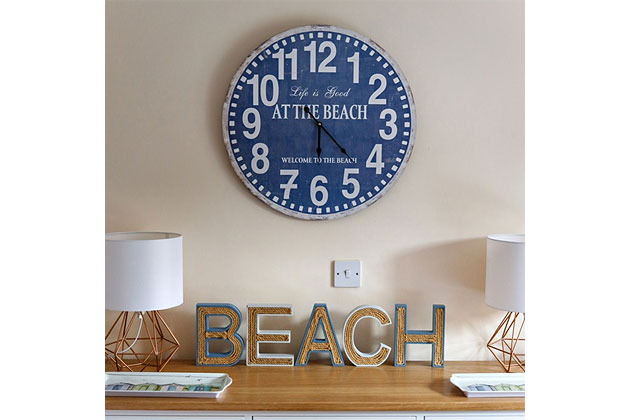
(321,387)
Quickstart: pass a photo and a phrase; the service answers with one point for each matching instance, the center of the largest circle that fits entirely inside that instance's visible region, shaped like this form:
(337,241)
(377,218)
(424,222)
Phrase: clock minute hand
(335,141)
(308,111)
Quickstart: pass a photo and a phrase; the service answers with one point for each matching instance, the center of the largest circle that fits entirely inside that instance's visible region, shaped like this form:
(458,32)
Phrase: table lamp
(505,290)
(143,275)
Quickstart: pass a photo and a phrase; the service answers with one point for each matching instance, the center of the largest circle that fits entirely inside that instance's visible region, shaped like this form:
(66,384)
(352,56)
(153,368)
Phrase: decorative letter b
(205,333)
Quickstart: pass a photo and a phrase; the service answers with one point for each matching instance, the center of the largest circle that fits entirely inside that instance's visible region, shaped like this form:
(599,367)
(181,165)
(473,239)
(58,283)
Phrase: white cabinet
(144,415)
(335,417)
(484,416)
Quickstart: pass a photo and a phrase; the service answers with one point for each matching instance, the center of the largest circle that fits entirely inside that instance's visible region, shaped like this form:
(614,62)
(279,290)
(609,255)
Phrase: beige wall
(168,68)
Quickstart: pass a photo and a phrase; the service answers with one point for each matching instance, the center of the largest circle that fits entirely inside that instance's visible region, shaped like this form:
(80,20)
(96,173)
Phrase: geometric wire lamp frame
(505,340)
(160,347)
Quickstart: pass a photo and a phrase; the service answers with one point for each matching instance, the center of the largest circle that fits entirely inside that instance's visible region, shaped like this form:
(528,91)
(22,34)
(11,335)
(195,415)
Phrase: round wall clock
(319,122)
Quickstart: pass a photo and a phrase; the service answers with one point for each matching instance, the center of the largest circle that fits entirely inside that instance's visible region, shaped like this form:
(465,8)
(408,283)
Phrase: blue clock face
(319,122)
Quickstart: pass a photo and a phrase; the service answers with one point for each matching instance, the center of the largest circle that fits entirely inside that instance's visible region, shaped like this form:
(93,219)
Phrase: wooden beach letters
(319,320)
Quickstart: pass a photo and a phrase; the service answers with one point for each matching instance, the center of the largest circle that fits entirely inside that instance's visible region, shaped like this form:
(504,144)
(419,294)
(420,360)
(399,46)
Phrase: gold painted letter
(319,316)
(357,357)
(435,337)
(255,336)
(206,333)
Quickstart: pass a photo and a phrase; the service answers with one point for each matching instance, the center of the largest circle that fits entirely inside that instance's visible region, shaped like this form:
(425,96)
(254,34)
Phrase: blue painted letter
(205,334)
(319,318)
(435,337)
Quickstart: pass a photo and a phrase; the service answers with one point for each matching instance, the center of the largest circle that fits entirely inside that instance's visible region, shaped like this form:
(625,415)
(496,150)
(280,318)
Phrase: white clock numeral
(261,91)
(374,98)
(324,66)
(260,152)
(254,82)
(290,185)
(319,189)
(255,124)
(355,66)
(311,48)
(391,124)
(279,55)
(274,88)
(356,187)
(293,57)
(375,160)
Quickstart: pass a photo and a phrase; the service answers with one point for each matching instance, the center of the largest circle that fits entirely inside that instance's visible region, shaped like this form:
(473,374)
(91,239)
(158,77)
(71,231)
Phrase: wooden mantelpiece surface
(321,387)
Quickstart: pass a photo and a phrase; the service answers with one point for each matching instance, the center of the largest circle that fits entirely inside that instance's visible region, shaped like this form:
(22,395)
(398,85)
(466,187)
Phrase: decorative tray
(490,384)
(166,384)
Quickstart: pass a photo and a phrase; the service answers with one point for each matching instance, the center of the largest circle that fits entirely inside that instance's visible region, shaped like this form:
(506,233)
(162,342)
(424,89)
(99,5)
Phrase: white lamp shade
(143,271)
(505,272)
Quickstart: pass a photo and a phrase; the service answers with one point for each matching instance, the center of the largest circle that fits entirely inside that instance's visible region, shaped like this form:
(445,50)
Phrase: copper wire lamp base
(503,342)
(160,346)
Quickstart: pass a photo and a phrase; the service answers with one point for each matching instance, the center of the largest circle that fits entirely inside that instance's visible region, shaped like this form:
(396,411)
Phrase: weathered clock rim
(230,92)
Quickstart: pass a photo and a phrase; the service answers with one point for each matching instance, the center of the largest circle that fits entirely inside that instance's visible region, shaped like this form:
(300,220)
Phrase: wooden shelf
(321,387)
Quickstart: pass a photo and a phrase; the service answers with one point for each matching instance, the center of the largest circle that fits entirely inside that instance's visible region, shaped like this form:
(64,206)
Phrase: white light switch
(347,273)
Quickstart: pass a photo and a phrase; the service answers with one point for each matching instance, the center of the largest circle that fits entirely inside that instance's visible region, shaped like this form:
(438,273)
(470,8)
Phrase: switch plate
(347,273)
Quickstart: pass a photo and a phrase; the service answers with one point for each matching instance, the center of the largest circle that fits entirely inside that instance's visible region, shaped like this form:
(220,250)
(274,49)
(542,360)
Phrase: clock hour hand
(319,131)
(320,125)
(319,140)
